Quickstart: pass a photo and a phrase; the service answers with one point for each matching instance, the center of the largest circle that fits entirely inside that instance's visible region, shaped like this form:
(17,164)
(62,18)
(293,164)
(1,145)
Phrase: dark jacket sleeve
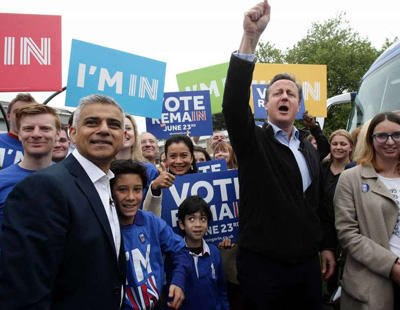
(235,106)
(32,243)
(222,294)
(323,145)
(178,262)
(329,241)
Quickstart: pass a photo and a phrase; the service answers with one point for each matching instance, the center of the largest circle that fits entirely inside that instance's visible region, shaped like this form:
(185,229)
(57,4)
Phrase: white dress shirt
(101,182)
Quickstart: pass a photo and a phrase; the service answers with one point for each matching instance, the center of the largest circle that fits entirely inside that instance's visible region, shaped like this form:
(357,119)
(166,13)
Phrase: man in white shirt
(61,239)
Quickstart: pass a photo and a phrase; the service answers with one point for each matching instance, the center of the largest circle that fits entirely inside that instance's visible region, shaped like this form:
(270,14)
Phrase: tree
(333,43)
(336,44)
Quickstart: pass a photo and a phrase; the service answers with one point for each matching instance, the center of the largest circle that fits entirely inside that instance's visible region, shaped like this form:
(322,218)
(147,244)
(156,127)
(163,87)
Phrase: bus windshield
(379,92)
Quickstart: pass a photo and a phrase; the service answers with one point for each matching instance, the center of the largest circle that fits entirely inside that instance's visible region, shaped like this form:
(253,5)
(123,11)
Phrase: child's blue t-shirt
(145,241)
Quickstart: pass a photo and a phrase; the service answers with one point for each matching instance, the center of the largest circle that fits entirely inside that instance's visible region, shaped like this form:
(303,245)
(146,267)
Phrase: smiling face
(61,146)
(222,153)
(128,194)
(390,150)
(283,103)
(179,159)
(129,137)
(149,146)
(340,148)
(195,226)
(37,134)
(99,133)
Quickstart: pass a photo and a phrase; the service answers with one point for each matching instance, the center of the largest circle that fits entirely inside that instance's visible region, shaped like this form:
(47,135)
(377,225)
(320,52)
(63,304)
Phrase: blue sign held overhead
(187,113)
(219,189)
(135,82)
(259,91)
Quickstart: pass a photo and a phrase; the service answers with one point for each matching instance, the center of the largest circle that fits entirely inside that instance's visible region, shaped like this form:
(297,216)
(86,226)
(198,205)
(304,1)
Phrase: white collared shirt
(101,182)
(206,250)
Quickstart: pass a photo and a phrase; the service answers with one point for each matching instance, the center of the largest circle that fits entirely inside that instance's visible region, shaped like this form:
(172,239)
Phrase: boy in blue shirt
(146,237)
(205,282)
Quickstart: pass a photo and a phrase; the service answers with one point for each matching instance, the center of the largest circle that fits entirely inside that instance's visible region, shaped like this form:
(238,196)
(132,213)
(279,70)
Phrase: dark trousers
(396,293)
(270,285)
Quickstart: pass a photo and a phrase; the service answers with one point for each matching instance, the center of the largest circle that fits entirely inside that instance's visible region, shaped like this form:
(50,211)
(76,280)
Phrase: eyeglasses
(383,137)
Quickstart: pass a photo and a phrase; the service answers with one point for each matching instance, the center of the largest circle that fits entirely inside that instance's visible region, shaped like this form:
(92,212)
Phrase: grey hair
(96,98)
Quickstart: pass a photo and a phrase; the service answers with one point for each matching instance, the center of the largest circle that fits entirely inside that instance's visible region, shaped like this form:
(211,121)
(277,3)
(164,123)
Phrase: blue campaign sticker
(215,165)
(135,82)
(259,92)
(219,189)
(187,113)
(365,187)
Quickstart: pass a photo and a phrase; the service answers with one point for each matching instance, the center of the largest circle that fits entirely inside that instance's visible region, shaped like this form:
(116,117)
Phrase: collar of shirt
(206,250)
(94,172)
(139,218)
(278,132)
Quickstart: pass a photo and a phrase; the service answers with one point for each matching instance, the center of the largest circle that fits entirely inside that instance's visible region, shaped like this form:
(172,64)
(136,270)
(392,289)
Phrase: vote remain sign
(30,52)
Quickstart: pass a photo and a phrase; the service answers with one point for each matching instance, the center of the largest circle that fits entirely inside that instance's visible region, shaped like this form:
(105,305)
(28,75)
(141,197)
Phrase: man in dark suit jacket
(61,240)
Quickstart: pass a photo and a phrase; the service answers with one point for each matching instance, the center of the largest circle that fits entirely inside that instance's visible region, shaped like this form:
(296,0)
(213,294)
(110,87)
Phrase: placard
(219,189)
(135,82)
(215,165)
(187,113)
(30,52)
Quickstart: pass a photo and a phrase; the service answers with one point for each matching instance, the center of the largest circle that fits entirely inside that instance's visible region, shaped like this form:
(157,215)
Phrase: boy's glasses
(383,137)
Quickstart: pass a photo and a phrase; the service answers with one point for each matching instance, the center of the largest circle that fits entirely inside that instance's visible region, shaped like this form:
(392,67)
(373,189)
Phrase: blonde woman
(341,148)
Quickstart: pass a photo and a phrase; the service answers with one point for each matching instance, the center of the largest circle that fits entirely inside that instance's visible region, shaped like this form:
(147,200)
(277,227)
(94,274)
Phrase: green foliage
(337,118)
(267,52)
(333,43)
(388,43)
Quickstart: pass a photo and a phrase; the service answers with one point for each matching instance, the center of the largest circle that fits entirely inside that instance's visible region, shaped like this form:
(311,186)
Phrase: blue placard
(219,189)
(135,82)
(259,100)
(215,165)
(259,91)
(187,113)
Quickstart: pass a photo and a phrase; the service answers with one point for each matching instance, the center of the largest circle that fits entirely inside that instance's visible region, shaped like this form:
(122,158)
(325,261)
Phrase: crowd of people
(80,207)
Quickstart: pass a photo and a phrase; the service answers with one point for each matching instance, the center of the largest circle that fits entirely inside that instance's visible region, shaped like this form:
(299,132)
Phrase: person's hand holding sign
(164,180)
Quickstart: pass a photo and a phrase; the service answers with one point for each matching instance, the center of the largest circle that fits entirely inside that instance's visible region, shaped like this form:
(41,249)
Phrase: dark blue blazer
(57,247)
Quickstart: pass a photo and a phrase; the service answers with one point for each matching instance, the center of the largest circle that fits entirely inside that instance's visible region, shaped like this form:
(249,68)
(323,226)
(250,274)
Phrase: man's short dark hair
(284,76)
(24,97)
(128,166)
(192,205)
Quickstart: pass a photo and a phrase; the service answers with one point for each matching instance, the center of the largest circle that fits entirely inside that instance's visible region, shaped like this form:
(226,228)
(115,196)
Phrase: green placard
(209,78)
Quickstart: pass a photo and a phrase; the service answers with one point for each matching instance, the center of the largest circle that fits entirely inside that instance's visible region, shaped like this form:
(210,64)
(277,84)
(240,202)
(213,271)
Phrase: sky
(190,34)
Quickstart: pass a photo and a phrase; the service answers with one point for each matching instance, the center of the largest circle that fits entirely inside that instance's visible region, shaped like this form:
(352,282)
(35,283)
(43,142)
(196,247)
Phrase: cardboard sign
(312,77)
(259,92)
(30,52)
(219,189)
(215,165)
(135,82)
(187,113)
(210,78)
